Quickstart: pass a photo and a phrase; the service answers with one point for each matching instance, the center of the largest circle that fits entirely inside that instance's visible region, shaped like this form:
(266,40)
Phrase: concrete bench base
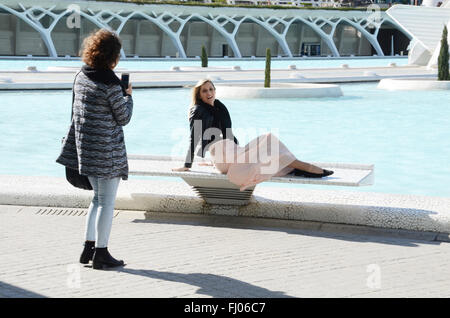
(223,191)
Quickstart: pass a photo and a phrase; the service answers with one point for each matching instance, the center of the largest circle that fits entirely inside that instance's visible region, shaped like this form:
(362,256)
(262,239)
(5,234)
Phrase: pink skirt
(261,159)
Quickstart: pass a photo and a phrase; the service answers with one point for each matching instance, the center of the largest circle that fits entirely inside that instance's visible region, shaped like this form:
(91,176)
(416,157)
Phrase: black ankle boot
(102,259)
(88,252)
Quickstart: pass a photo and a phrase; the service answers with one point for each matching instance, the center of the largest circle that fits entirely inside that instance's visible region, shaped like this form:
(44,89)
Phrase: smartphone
(125,80)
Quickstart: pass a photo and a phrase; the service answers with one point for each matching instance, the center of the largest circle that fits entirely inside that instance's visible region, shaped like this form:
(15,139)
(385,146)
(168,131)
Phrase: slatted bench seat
(215,188)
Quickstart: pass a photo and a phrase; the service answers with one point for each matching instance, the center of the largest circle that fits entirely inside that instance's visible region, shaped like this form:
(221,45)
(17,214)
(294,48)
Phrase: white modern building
(424,25)
(57,28)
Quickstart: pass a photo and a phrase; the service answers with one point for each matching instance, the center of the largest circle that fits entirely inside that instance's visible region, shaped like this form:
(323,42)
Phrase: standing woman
(95,143)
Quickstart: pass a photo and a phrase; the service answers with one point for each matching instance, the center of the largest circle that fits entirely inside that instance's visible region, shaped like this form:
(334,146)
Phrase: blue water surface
(405,134)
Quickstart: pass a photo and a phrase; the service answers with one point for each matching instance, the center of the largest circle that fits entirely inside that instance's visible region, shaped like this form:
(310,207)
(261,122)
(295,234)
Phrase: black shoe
(306,174)
(103,260)
(88,252)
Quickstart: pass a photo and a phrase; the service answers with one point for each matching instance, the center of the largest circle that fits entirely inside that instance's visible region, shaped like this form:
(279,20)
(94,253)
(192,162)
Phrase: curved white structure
(176,30)
(413,84)
(433,62)
(278,90)
(424,24)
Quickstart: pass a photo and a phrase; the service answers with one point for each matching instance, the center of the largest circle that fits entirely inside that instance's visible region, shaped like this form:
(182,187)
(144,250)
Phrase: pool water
(405,134)
(166,64)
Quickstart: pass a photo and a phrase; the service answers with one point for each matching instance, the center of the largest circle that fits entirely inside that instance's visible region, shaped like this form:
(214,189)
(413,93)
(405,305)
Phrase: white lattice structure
(162,30)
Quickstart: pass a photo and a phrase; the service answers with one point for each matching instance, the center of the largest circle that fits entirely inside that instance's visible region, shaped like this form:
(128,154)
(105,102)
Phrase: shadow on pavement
(353,233)
(211,285)
(11,291)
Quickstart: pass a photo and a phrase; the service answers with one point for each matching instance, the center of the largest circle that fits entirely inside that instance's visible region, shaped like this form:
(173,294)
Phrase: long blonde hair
(195,98)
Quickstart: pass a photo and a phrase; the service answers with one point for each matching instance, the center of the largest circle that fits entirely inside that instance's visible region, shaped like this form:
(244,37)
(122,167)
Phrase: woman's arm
(121,106)
(195,134)
(195,127)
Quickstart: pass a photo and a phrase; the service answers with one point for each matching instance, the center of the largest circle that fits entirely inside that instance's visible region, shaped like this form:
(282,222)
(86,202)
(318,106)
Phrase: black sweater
(202,117)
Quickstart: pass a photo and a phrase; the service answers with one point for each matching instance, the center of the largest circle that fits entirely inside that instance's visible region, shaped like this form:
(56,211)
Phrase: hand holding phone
(125,80)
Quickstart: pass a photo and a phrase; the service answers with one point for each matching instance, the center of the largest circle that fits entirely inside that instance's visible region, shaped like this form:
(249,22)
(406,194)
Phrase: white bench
(215,188)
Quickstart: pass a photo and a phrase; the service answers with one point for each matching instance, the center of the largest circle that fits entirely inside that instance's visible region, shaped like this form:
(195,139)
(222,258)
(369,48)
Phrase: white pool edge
(390,211)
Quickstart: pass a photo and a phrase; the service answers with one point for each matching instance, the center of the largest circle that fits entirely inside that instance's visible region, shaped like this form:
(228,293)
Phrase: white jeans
(100,213)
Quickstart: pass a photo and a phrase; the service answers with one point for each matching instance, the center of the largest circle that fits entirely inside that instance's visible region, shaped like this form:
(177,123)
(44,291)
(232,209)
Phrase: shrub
(204,57)
(267,70)
(443,72)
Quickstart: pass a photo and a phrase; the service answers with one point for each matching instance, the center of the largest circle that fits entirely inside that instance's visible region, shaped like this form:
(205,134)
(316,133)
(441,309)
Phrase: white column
(360,43)
(392,45)
(341,36)
(16,35)
(161,42)
(302,36)
(137,33)
(79,38)
(257,35)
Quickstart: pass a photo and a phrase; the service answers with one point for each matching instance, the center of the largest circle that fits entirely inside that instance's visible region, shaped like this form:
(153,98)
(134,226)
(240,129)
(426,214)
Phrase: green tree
(443,72)
(267,70)
(204,57)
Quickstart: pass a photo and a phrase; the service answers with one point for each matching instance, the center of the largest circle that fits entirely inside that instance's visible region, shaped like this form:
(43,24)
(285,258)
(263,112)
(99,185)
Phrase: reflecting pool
(405,134)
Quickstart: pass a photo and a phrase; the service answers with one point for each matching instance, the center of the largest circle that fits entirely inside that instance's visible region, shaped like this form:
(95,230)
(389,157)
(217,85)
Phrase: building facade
(57,28)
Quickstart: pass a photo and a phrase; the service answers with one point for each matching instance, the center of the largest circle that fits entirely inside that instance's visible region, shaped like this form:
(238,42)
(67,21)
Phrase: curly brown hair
(101,49)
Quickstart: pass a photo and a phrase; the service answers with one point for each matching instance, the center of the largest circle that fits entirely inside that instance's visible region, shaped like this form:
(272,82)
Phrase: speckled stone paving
(204,256)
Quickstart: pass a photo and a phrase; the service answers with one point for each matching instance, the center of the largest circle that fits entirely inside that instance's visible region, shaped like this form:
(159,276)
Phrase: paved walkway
(170,255)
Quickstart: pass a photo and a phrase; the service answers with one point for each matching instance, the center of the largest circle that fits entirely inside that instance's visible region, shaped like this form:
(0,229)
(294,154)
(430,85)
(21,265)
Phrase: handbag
(77,180)
(72,175)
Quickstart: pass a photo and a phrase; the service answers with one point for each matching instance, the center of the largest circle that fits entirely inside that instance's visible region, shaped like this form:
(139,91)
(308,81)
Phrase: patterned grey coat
(95,144)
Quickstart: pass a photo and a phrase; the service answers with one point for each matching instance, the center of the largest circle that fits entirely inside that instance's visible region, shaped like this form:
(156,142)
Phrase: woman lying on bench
(210,123)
